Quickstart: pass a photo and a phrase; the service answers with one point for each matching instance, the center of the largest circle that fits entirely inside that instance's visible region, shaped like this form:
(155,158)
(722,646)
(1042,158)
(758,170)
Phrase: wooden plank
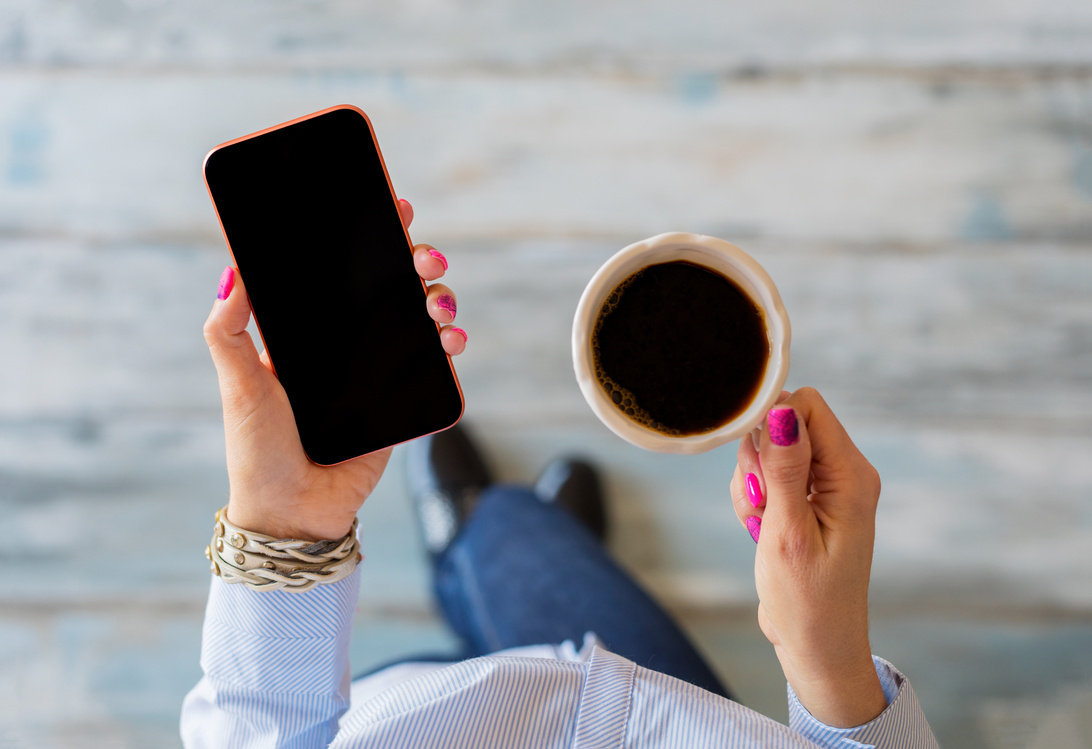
(87,678)
(953,525)
(854,158)
(963,334)
(596,35)
(960,334)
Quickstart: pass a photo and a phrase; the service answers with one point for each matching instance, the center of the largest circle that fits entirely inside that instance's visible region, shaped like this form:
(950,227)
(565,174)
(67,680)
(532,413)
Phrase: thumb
(232,348)
(785,456)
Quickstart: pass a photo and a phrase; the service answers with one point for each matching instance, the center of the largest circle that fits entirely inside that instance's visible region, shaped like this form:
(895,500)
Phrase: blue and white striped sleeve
(276,667)
(901,726)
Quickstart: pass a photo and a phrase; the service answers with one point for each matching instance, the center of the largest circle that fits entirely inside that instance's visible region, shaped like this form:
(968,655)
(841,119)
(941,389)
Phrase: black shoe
(445,473)
(574,484)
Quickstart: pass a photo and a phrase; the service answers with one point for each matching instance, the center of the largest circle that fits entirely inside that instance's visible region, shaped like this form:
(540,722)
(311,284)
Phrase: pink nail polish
(439,256)
(754,490)
(227,283)
(461,332)
(446,302)
(784,430)
(754,526)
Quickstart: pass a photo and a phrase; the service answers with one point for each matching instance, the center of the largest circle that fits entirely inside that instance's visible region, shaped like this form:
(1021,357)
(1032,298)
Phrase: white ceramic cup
(721,257)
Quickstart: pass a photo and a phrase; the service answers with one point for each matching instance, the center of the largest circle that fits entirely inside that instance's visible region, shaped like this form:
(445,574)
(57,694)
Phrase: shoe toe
(445,473)
(573,484)
(438,520)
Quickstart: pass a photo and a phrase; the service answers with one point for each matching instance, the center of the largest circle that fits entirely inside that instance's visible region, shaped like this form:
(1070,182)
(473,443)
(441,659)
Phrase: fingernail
(446,302)
(784,430)
(754,490)
(439,256)
(754,526)
(461,332)
(227,283)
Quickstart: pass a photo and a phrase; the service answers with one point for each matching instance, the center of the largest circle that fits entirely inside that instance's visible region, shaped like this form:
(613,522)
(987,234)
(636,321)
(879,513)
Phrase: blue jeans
(522,572)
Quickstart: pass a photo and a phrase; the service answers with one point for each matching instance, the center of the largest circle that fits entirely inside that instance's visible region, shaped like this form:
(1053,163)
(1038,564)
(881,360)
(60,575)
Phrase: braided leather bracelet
(265,563)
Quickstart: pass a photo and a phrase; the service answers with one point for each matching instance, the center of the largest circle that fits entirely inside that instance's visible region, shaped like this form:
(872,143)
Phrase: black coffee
(679,348)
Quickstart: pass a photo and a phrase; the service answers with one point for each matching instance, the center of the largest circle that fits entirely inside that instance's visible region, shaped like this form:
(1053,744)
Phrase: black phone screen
(316,235)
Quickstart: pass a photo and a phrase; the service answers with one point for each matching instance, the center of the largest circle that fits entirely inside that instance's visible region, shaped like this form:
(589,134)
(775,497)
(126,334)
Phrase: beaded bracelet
(265,563)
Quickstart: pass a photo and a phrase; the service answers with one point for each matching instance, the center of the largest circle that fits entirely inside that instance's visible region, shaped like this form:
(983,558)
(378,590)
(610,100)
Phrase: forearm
(276,667)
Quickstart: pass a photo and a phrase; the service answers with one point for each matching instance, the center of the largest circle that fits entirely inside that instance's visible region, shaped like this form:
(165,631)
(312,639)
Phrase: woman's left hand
(275,489)
(808,497)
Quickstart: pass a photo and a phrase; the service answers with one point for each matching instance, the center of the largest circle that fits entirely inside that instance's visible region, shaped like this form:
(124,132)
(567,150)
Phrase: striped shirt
(277,675)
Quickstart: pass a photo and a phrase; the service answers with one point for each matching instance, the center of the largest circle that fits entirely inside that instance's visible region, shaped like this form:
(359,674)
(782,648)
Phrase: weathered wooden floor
(917,180)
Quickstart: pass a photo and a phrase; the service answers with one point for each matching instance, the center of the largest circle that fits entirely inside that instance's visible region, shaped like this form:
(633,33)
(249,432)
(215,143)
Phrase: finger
(453,340)
(749,515)
(756,433)
(264,359)
(786,468)
(441,302)
(230,344)
(750,467)
(429,262)
(406,211)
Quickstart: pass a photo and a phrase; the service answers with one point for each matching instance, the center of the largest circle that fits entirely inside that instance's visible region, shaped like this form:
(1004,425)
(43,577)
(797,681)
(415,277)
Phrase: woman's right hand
(811,507)
(275,489)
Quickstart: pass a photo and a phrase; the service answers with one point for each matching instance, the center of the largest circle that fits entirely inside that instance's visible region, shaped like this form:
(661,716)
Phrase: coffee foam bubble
(625,402)
(621,397)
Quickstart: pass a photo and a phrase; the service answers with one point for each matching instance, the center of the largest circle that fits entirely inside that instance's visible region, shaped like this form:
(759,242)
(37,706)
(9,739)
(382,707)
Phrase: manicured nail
(754,490)
(461,332)
(446,302)
(439,256)
(227,283)
(784,430)
(754,526)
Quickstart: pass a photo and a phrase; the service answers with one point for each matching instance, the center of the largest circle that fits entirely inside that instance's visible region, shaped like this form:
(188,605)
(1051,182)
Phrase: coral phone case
(312,222)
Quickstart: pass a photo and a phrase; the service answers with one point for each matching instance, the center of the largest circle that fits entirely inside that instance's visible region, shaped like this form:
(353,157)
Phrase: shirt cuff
(275,641)
(902,725)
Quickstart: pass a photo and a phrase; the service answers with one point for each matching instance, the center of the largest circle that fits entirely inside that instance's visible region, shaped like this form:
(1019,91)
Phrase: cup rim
(722,257)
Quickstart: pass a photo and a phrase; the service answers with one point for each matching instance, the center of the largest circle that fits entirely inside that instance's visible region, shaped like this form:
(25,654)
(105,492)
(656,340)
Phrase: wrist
(844,696)
(264,563)
(306,526)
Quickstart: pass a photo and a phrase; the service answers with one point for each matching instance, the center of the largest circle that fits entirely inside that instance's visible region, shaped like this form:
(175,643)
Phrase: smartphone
(313,225)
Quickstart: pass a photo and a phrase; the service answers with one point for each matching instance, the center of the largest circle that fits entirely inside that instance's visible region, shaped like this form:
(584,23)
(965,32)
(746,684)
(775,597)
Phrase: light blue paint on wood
(28,138)
(986,221)
(144,673)
(17,639)
(697,88)
(1082,171)
(13,42)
